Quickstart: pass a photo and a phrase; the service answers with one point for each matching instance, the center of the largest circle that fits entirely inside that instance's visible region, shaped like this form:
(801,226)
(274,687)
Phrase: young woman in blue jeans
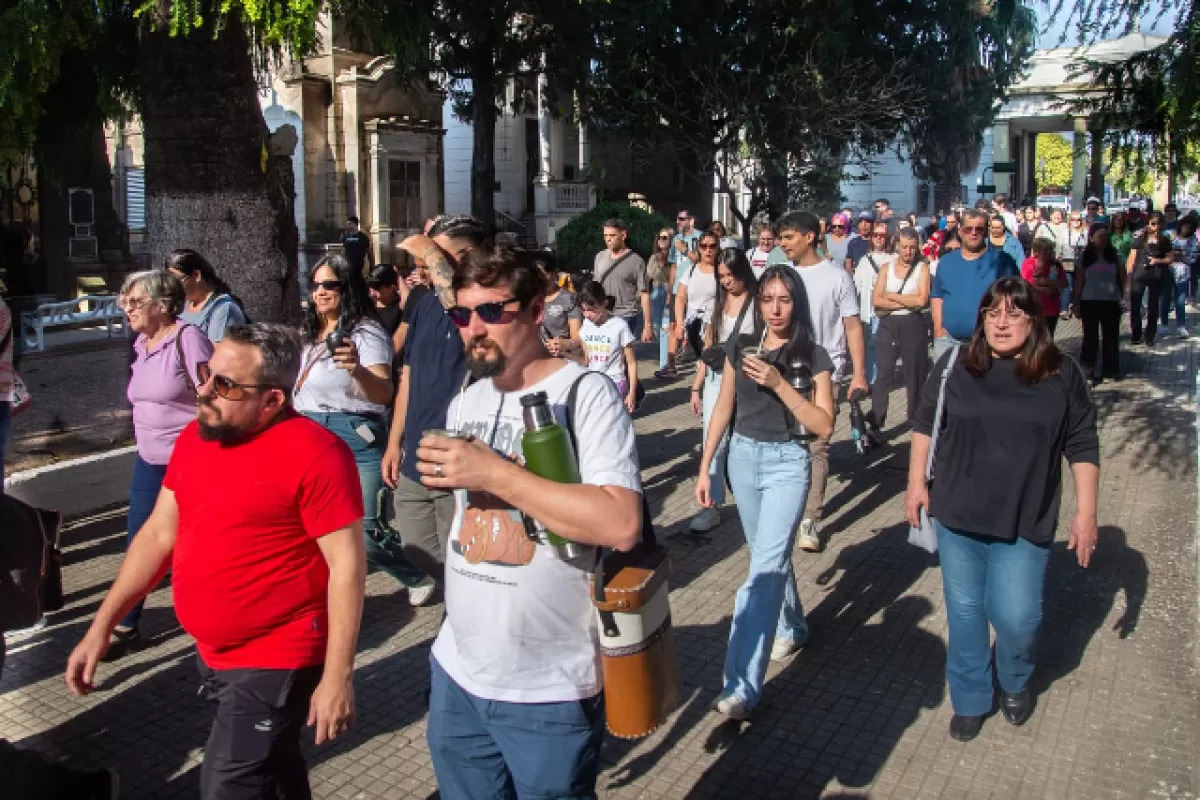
(1014,407)
(780,381)
(348,389)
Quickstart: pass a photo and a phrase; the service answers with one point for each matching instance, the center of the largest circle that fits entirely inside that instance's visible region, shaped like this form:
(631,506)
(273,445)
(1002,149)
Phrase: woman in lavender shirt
(162,392)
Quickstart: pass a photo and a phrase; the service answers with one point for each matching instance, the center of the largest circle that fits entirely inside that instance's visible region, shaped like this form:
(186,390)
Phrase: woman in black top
(782,385)
(1148,268)
(1014,407)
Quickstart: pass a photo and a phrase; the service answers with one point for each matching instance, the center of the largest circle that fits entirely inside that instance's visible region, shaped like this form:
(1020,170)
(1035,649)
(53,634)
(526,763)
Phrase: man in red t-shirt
(260,521)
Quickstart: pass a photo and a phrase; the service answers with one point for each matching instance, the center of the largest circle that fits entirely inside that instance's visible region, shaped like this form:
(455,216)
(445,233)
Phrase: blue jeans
(997,582)
(770,482)
(368,456)
(1065,298)
(1176,293)
(708,402)
(660,318)
(5,427)
(942,344)
(491,749)
(143,494)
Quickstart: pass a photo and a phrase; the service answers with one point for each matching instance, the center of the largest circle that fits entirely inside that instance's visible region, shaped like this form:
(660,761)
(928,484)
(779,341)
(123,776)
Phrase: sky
(1152,22)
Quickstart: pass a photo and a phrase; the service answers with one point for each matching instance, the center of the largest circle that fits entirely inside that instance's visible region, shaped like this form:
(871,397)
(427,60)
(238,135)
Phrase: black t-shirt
(389,316)
(999,456)
(355,246)
(1144,251)
(434,354)
(761,415)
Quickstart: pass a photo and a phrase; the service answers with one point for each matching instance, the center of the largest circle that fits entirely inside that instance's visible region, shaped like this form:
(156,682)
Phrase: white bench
(80,311)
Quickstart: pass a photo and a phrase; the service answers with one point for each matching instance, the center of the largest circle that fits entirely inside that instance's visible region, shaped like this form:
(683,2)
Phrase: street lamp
(983,187)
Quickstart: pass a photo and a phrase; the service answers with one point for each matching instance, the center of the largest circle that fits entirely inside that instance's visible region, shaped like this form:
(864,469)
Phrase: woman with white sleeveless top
(899,300)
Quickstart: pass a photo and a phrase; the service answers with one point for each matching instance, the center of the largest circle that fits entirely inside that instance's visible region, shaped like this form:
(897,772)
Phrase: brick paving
(862,711)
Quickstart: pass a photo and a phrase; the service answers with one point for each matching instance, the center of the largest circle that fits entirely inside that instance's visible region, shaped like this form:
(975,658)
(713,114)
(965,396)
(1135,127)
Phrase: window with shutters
(404,194)
(135,199)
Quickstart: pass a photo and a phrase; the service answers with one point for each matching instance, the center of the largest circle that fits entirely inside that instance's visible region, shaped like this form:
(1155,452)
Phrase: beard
(489,365)
(983,245)
(218,431)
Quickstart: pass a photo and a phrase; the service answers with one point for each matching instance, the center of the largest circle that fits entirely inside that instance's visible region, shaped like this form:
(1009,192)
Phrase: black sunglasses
(226,388)
(329,286)
(491,313)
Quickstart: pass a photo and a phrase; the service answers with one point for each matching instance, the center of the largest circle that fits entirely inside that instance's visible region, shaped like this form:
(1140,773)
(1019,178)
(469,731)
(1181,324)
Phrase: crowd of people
(395,419)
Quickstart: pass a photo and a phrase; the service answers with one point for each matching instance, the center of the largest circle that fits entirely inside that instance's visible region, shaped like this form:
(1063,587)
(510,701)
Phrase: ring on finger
(437,470)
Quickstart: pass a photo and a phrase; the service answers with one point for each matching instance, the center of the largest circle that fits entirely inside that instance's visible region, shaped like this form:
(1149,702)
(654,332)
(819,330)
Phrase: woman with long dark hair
(732,315)
(660,270)
(1149,264)
(1100,283)
(1013,407)
(781,383)
(210,306)
(345,384)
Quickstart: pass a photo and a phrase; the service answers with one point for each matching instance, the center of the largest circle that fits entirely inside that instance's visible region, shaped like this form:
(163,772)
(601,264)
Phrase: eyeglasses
(972,229)
(133,303)
(1011,315)
(878,235)
(663,238)
(708,247)
(329,286)
(682,219)
(226,388)
(491,313)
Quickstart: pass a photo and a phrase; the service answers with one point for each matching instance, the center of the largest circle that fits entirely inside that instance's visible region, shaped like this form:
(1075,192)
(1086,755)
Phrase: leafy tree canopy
(1056,159)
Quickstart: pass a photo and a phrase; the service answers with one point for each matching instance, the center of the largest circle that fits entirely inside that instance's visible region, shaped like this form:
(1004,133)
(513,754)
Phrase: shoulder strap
(737,326)
(187,378)
(874,266)
(940,413)
(316,356)
(616,262)
(907,275)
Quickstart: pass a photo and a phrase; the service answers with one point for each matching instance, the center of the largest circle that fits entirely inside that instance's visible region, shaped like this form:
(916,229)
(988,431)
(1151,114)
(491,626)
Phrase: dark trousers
(905,336)
(1149,285)
(253,750)
(1051,324)
(693,330)
(143,494)
(1101,323)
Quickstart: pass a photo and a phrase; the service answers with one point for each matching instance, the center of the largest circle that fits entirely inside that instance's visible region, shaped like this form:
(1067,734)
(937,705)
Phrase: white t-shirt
(831,297)
(605,346)
(520,626)
(702,293)
(327,388)
(864,282)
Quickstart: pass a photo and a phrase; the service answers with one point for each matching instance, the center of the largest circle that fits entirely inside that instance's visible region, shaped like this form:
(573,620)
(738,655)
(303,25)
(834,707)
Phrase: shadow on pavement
(1077,601)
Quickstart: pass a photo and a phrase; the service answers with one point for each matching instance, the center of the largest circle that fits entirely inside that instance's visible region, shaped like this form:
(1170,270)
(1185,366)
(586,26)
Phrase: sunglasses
(663,238)
(973,229)
(839,227)
(878,235)
(329,286)
(226,388)
(682,219)
(491,313)
(708,247)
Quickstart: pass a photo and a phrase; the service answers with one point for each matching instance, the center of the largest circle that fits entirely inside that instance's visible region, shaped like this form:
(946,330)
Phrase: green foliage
(1058,156)
(579,240)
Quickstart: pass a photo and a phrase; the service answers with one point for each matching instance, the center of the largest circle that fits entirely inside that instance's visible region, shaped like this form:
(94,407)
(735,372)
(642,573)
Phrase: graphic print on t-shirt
(493,533)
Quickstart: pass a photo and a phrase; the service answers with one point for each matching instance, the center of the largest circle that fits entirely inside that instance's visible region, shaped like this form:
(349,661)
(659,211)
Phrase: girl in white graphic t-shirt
(608,342)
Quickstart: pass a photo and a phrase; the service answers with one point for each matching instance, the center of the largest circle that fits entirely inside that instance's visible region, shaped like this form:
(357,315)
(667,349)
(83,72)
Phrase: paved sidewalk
(861,712)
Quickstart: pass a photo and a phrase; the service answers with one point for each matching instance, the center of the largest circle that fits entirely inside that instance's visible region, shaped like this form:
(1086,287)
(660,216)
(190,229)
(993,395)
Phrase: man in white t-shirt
(866,271)
(516,703)
(833,308)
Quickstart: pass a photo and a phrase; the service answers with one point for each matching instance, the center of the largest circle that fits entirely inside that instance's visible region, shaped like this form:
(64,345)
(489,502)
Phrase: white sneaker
(705,521)
(732,707)
(808,537)
(782,649)
(1183,332)
(419,595)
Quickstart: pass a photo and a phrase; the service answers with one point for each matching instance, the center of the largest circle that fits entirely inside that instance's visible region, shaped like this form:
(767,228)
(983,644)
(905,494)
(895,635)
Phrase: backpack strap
(648,537)
(187,377)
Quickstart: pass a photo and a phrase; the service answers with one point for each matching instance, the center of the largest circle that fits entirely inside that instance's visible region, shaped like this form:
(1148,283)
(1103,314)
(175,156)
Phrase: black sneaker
(123,642)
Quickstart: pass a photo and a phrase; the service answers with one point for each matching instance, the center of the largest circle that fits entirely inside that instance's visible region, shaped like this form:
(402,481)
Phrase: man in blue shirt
(434,368)
(962,278)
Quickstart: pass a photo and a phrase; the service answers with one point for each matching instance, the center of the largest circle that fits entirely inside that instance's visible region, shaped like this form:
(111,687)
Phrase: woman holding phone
(781,383)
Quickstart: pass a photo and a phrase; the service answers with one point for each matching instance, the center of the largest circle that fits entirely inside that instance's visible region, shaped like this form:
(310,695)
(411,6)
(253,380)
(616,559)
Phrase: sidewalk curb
(77,487)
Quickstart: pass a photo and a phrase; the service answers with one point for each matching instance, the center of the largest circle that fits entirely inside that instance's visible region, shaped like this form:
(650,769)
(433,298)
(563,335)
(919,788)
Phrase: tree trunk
(214,183)
(483,156)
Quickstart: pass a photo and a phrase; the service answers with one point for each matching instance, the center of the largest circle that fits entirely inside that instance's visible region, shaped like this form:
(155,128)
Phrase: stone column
(1001,152)
(1079,165)
(1096,168)
(1031,164)
(585,149)
(543,102)
(377,172)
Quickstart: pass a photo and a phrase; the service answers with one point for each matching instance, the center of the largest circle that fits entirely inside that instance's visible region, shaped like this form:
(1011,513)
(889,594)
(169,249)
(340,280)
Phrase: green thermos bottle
(549,454)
